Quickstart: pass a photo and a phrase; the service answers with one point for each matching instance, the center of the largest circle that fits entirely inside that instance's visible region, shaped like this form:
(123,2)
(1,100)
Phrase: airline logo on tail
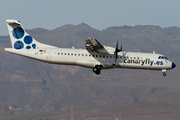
(20,38)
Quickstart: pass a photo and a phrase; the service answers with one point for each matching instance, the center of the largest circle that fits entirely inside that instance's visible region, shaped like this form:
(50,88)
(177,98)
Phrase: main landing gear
(97,69)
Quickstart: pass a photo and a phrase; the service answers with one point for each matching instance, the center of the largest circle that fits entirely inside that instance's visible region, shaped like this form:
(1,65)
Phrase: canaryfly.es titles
(147,61)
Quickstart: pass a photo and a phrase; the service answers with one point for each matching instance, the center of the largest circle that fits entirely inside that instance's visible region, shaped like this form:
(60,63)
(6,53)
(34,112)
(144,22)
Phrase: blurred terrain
(45,91)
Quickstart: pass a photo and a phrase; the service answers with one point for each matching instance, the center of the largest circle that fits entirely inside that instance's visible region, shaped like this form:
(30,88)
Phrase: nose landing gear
(164,72)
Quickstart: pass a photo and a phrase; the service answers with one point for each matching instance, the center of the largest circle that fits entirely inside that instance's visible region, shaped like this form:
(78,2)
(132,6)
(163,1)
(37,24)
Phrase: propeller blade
(116,57)
(121,48)
(117,46)
(117,50)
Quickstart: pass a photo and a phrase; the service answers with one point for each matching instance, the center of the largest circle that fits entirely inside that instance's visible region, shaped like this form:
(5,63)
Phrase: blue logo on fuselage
(158,63)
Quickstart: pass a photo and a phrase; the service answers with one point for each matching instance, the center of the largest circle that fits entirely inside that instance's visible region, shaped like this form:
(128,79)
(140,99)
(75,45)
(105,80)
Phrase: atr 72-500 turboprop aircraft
(95,55)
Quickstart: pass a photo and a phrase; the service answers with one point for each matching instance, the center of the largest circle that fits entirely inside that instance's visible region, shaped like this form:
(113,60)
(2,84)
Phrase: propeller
(117,50)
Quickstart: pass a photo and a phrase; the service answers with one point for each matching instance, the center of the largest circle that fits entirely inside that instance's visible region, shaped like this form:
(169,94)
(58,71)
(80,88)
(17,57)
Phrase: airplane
(95,56)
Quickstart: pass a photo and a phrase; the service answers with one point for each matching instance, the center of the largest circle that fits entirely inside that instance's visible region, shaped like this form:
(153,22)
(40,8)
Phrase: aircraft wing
(92,45)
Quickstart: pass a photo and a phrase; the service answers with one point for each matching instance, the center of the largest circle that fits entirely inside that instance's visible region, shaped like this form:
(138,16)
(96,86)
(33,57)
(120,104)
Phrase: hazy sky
(99,14)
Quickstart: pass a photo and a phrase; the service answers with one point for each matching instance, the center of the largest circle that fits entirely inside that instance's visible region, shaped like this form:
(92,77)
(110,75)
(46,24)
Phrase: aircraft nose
(173,65)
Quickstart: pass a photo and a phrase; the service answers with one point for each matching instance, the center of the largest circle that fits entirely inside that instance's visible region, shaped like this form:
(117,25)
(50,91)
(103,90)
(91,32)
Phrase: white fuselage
(95,55)
(82,57)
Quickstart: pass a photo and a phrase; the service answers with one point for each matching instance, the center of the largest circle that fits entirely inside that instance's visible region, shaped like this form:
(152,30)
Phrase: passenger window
(68,53)
(75,54)
(103,56)
(89,55)
(100,56)
(64,53)
(71,53)
(96,55)
(82,54)
(93,55)
(78,54)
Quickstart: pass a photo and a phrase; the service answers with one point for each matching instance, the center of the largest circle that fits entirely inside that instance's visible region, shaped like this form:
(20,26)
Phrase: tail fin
(20,39)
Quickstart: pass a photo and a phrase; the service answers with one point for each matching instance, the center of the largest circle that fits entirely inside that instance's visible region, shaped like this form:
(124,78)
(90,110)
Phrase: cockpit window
(166,58)
(162,57)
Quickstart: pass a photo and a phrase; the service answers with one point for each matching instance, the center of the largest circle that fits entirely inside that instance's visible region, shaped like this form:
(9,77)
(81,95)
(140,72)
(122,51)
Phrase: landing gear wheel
(98,72)
(97,69)
(164,74)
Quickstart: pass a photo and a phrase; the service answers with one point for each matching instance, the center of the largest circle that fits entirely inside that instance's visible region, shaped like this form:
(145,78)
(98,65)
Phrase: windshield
(162,57)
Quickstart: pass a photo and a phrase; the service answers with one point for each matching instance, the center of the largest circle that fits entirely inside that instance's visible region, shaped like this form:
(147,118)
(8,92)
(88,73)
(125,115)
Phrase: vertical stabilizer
(20,39)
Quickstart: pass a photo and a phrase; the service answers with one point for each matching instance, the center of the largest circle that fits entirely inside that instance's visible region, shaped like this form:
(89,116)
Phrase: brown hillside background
(29,87)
